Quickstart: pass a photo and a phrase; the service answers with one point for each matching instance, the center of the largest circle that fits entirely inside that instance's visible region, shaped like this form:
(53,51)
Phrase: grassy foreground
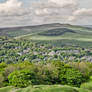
(44,88)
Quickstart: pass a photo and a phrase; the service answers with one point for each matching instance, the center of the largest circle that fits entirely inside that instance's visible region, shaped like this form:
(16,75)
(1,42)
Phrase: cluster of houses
(63,54)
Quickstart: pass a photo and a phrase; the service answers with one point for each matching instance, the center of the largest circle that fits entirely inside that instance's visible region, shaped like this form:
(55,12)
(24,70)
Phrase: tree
(71,77)
(22,78)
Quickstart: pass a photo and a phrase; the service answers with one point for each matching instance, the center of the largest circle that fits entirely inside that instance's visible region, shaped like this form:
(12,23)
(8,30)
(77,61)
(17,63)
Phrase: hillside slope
(19,31)
(44,88)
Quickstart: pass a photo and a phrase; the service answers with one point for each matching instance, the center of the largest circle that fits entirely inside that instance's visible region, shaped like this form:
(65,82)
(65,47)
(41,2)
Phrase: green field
(44,88)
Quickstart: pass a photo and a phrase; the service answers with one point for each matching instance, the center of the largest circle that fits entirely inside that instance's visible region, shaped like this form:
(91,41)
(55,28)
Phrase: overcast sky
(34,12)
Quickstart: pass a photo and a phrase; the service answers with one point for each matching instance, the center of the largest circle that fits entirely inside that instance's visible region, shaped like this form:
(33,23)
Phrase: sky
(36,12)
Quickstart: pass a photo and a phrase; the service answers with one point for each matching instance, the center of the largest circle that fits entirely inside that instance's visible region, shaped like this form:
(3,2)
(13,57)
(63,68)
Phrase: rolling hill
(55,33)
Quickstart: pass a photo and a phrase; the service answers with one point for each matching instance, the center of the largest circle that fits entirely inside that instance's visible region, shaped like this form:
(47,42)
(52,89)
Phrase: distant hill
(89,26)
(55,33)
(19,31)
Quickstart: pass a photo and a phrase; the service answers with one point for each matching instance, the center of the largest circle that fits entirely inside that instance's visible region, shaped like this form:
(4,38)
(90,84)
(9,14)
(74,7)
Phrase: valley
(44,58)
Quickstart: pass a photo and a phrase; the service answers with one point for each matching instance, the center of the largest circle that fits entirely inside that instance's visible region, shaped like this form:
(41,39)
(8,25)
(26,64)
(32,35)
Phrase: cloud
(82,13)
(54,10)
(55,6)
(62,11)
(15,12)
(12,8)
(64,3)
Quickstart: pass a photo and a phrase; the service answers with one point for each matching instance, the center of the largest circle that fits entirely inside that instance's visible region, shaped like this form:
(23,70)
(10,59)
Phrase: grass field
(44,88)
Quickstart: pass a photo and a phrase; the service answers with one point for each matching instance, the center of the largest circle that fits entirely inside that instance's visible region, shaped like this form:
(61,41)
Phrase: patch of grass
(6,89)
(45,88)
(87,86)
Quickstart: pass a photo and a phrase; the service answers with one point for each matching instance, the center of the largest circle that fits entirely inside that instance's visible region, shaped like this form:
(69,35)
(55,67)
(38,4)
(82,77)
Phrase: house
(52,53)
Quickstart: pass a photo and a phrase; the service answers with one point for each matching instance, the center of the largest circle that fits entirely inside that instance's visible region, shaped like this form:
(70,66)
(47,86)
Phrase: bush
(2,66)
(45,74)
(71,77)
(21,78)
(90,79)
(83,67)
(74,77)
(1,80)
(6,72)
(9,70)
(24,74)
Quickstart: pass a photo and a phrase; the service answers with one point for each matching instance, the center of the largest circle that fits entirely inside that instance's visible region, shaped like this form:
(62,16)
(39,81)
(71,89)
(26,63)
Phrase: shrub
(6,72)
(74,77)
(22,78)
(82,67)
(1,80)
(71,77)
(45,74)
(90,79)
(2,66)
(9,70)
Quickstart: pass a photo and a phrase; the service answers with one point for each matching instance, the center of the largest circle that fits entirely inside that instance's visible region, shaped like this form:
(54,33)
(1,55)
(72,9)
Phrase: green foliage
(74,77)
(1,80)
(21,78)
(2,66)
(45,74)
(71,77)
(90,79)
(52,72)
